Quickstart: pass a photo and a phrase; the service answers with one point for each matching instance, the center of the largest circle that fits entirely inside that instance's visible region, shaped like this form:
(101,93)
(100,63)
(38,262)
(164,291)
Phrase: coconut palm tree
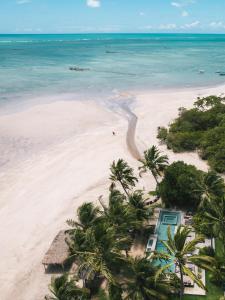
(87,214)
(118,214)
(180,252)
(210,186)
(102,255)
(215,214)
(114,293)
(139,207)
(64,288)
(141,284)
(218,275)
(121,172)
(154,162)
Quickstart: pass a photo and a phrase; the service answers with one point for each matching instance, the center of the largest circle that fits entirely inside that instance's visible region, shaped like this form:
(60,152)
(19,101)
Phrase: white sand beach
(54,157)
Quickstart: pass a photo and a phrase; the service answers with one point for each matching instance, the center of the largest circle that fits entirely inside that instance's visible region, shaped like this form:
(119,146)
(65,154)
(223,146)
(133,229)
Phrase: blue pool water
(166,218)
(39,64)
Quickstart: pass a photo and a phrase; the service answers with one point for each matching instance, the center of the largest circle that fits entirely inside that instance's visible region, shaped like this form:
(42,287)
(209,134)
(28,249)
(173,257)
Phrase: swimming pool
(166,218)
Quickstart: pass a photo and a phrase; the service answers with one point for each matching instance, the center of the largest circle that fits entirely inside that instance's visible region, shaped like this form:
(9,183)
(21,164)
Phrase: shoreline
(63,153)
(42,98)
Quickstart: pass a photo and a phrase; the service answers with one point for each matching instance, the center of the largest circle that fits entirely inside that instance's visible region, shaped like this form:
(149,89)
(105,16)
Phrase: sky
(87,16)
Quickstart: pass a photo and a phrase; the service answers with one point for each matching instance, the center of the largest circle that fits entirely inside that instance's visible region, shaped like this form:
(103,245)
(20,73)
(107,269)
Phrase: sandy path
(56,156)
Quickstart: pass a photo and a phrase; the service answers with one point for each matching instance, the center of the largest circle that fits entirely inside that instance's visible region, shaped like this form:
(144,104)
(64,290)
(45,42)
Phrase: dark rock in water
(220,73)
(78,69)
(110,52)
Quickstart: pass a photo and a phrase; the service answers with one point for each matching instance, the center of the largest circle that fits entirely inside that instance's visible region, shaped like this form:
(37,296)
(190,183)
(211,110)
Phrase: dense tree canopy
(201,128)
(180,186)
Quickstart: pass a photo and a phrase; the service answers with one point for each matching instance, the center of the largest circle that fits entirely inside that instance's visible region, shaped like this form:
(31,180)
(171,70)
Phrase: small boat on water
(78,69)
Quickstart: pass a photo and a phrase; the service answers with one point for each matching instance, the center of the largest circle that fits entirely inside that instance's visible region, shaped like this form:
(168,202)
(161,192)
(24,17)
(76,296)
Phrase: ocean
(106,64)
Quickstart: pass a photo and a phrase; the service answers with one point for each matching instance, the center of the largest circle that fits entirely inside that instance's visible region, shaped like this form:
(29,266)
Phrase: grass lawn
(219,247)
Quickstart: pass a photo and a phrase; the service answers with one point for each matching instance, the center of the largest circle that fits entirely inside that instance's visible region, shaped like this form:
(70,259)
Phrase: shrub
(201,128)
(162,134)
(183,141)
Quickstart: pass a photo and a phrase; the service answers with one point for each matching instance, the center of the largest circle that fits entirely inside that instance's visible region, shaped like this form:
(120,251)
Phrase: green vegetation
(154,162)
(219,247)
(200,128)
(210,220)
(64,288)
(213,292)
(141,283)
(191,187)
(184,180)
(215,217)
(122,173)
(179,252)
(102,237)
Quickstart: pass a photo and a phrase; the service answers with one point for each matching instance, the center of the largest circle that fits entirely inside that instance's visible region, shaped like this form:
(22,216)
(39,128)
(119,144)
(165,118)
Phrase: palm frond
(192,275)
(191,245)
(162,270)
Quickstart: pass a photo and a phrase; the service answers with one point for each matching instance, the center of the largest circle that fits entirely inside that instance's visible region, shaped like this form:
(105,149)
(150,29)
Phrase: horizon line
(57,33)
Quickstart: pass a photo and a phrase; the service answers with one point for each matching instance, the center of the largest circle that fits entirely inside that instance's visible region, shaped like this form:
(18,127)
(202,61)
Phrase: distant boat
(78,69)
(201,71)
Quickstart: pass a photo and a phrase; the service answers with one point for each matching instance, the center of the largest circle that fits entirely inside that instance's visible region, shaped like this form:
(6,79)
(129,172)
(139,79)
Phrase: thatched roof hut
(58,252)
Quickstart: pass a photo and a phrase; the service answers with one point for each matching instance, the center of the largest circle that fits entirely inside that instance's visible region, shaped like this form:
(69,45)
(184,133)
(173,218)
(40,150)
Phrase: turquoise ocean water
(33,65)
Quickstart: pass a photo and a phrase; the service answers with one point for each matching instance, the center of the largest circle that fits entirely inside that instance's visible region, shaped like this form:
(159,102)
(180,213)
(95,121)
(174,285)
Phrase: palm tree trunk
(181,282)
(125,190)
(211,240)
(223,245)
(155,176)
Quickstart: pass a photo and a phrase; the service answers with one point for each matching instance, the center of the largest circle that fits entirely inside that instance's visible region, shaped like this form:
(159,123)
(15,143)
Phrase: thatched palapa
(58,251)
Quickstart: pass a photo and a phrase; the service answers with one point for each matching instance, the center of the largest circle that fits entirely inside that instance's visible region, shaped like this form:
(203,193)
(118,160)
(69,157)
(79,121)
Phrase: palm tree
(141,284)
(218,275)
(101,255)
(154,162)
(64,288)
(114,293)
(139,207)
(215,214)
(87,214)
(179,252)
(210,186)
(118,214)
(121,172)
